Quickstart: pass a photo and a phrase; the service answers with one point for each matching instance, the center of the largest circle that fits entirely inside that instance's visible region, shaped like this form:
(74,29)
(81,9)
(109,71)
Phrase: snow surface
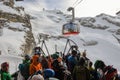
(8,9)
(46,22)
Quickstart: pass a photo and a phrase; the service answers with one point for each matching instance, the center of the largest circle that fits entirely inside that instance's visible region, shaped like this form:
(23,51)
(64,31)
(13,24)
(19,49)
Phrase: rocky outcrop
(8,3)
(118,39)
(113,22)
(19,8)
(6,18)
(3,22)
(28,46)
(29,38)
(89,22)
(110,19)
(118,32)
(12,17)
(118,13)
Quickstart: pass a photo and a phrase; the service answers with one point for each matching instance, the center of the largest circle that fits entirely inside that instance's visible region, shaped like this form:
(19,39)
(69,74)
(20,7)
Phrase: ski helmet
(48,73)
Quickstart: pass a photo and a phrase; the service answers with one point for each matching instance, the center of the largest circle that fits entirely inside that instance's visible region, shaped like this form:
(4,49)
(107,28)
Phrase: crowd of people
(73,66)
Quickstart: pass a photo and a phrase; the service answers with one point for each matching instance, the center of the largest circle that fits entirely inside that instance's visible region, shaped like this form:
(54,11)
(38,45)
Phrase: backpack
(24,70)
(67,75)
(110,72)
(55,64)
(81,72)
(99,64)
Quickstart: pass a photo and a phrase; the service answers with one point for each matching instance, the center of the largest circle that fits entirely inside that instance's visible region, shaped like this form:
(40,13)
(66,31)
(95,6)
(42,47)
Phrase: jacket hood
(35,59)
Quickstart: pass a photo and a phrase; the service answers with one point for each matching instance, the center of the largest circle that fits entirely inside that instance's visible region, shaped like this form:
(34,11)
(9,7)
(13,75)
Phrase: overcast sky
(86,8)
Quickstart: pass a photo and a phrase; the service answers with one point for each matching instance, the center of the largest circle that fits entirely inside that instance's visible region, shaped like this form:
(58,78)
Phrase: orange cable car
(70,28)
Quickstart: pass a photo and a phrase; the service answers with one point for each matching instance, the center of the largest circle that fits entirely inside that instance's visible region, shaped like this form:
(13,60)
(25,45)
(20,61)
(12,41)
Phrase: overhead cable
(78,3)
(75,2)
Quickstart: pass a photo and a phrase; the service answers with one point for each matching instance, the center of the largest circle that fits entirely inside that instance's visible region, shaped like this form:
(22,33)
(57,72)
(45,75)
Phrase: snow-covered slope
(12,31)
(107,47)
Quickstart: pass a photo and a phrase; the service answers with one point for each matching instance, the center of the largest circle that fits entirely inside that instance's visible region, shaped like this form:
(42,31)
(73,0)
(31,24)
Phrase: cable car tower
(66,49)
(71,28)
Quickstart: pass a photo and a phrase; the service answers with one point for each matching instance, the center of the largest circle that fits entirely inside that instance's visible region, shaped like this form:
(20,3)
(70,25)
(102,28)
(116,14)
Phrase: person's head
(5,66)
(81,62)
(84,54)
(37,77)
(55,55)
(27,57)
(90,64)
(74,52)
(37,51)
(99,64)
(35,59)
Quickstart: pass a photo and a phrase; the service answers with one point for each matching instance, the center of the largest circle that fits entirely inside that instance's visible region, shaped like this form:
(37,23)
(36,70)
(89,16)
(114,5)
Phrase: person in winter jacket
(80,72)
(87,61)
(59,69)
(27,59)
(5,75)
(44,62)
(99,68)
(72,61)
(35,65)
(93,73)
(50,61)
(24,67)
